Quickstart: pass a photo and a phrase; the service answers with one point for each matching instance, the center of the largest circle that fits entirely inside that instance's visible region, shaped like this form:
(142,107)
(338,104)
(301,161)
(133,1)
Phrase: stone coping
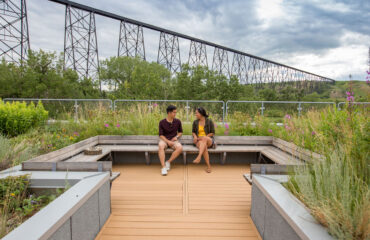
(289,207)
(49,219)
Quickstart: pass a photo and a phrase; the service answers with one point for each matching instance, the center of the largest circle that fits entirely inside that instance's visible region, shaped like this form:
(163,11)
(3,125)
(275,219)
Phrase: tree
(133,78)
(43,76)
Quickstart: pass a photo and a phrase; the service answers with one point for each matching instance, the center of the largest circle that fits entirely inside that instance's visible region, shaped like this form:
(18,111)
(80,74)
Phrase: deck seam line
(186,192)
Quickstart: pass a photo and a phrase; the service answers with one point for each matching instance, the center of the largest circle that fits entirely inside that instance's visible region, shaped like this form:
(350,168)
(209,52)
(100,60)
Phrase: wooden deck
(188,203)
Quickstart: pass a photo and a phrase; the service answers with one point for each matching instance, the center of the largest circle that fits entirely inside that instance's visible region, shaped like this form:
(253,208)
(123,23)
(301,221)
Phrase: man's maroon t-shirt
(170,130)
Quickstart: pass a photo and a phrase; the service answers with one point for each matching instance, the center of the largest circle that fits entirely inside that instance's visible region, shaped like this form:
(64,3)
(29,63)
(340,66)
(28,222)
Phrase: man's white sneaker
(164,171)
(168,165)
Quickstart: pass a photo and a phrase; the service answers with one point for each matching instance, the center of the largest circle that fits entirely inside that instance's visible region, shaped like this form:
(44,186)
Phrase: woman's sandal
(208,170)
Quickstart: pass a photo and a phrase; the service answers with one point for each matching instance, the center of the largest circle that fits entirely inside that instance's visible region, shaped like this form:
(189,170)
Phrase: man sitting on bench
(170,130)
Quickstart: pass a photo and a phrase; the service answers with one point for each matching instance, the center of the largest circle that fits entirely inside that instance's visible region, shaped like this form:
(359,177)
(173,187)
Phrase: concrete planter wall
(77,214)
(277,214)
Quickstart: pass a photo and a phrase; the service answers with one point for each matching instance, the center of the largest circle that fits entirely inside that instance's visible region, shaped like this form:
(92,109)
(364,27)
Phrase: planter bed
(277,214)
(78,213)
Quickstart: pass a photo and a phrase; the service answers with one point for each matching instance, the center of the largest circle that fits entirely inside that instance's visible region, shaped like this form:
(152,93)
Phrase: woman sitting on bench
(203,136)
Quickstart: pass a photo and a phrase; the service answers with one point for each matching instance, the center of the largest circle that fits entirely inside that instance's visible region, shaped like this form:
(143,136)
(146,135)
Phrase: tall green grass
(13,153)
(336,189)
(337,197)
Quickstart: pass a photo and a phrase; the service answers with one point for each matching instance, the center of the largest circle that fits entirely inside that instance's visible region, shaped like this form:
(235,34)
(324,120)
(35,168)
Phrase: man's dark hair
(171,108)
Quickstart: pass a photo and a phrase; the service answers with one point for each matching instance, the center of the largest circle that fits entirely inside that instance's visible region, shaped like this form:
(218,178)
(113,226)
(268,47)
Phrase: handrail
(263,106)
(185,101)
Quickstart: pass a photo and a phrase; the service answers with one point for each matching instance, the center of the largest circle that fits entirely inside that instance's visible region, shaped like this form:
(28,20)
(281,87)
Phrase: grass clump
(336,189)
(17,203)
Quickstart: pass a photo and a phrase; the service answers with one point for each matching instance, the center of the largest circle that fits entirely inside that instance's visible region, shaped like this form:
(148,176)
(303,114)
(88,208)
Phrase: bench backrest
(66,152)
(186,139)
(293,149)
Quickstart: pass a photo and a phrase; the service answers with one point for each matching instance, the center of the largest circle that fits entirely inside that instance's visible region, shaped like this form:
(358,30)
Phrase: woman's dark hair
(170,108)
(202,112)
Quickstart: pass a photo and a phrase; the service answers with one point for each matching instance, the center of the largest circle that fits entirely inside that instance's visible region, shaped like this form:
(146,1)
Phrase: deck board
(186,204)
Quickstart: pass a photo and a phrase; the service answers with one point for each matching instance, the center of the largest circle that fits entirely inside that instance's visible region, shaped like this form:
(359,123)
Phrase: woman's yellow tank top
(201,132)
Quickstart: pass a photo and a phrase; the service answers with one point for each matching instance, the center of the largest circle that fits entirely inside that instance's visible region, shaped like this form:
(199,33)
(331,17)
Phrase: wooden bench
(72,157)
(149,144)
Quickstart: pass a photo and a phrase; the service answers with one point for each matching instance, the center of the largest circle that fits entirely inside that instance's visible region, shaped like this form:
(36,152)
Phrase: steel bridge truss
(14,37)
(169,52)
(220,63)
(80,42)
(131,40)
(82,51)
(197,54)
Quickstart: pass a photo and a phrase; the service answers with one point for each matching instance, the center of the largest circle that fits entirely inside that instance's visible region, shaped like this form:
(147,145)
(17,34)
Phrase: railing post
(76,110)
(262,108)
(150,106)
(299,109)
(111,104)
(187,110)
(223,112)
(339,106)
(226,112)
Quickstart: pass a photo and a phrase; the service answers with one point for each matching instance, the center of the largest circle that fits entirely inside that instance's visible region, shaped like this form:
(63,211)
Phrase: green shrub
(17,118)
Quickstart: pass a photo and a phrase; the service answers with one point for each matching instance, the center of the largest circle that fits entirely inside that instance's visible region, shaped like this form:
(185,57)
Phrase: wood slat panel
(302,153)
(188,203)
(65,152)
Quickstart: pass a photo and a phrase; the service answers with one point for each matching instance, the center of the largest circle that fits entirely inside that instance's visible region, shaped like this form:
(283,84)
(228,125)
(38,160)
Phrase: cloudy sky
(326,37)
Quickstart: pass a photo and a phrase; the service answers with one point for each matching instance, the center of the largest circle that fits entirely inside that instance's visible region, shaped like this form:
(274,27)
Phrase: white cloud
(332,6)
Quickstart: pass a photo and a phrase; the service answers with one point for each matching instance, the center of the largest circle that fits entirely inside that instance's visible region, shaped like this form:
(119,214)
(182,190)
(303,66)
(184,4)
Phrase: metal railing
(352,103)
(225,106)
(75,101)
(187,107)
(262,108)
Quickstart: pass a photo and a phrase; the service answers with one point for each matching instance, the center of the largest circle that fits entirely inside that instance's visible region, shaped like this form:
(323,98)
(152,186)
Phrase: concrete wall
(87,221)
(270,224)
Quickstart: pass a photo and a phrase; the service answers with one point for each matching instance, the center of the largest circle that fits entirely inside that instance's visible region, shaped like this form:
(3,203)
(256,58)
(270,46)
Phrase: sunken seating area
(136,149)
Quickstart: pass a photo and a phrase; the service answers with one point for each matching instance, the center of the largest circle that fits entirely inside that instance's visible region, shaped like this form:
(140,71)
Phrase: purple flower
(226,126)
(155,105)
(287,127)
(226,132)
(76,134)
(287,116)
(106,125)
(118,125)
(50,145)
(270,130)
(350,98)
(215,125)
(313,133)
